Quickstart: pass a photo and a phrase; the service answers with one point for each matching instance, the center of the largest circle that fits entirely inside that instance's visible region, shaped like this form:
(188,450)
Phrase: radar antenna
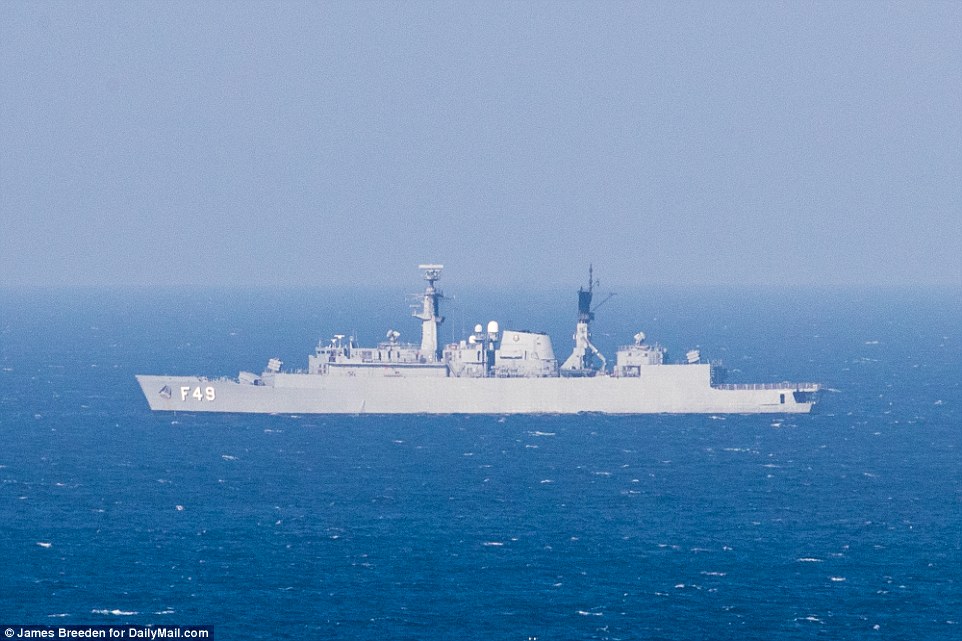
(432,273)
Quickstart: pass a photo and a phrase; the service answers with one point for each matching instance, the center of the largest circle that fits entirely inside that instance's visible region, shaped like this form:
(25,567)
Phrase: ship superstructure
(491,371)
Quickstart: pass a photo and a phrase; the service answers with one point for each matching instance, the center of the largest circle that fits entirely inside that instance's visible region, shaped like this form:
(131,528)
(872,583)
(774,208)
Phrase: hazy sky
(319,143)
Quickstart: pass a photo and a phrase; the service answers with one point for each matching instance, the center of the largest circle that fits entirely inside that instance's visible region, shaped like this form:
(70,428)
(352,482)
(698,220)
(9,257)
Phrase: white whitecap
(115,612)
(44,544)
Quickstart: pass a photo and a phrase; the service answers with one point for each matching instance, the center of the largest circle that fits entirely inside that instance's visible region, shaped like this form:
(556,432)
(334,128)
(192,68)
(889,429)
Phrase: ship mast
(429,315)
(579,363)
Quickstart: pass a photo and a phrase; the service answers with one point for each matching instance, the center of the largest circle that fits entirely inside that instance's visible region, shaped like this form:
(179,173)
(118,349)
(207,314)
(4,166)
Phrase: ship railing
(767,386)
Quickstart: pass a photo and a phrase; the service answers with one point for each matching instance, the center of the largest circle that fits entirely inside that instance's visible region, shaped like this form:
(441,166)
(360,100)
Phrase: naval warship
(492,371)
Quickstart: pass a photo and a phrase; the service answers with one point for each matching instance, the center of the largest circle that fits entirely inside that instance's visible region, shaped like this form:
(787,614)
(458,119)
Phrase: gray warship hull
(674,389)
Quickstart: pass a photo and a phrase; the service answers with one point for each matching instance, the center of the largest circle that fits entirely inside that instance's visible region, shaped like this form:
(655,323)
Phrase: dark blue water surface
(843,524)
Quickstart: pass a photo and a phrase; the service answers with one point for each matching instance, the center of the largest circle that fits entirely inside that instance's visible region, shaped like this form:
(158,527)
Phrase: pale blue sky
(314,143)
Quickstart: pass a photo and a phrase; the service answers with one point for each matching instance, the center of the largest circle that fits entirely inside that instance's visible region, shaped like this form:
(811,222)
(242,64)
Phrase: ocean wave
(115,612)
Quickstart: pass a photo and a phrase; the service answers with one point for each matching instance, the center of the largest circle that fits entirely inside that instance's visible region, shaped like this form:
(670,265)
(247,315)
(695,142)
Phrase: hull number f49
(197,393)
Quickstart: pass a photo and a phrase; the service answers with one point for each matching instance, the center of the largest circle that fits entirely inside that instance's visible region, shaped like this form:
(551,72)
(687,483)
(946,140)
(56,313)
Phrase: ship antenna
(606,299)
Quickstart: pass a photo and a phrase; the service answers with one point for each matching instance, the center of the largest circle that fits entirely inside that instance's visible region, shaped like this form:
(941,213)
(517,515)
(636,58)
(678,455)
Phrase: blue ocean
(842,524)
